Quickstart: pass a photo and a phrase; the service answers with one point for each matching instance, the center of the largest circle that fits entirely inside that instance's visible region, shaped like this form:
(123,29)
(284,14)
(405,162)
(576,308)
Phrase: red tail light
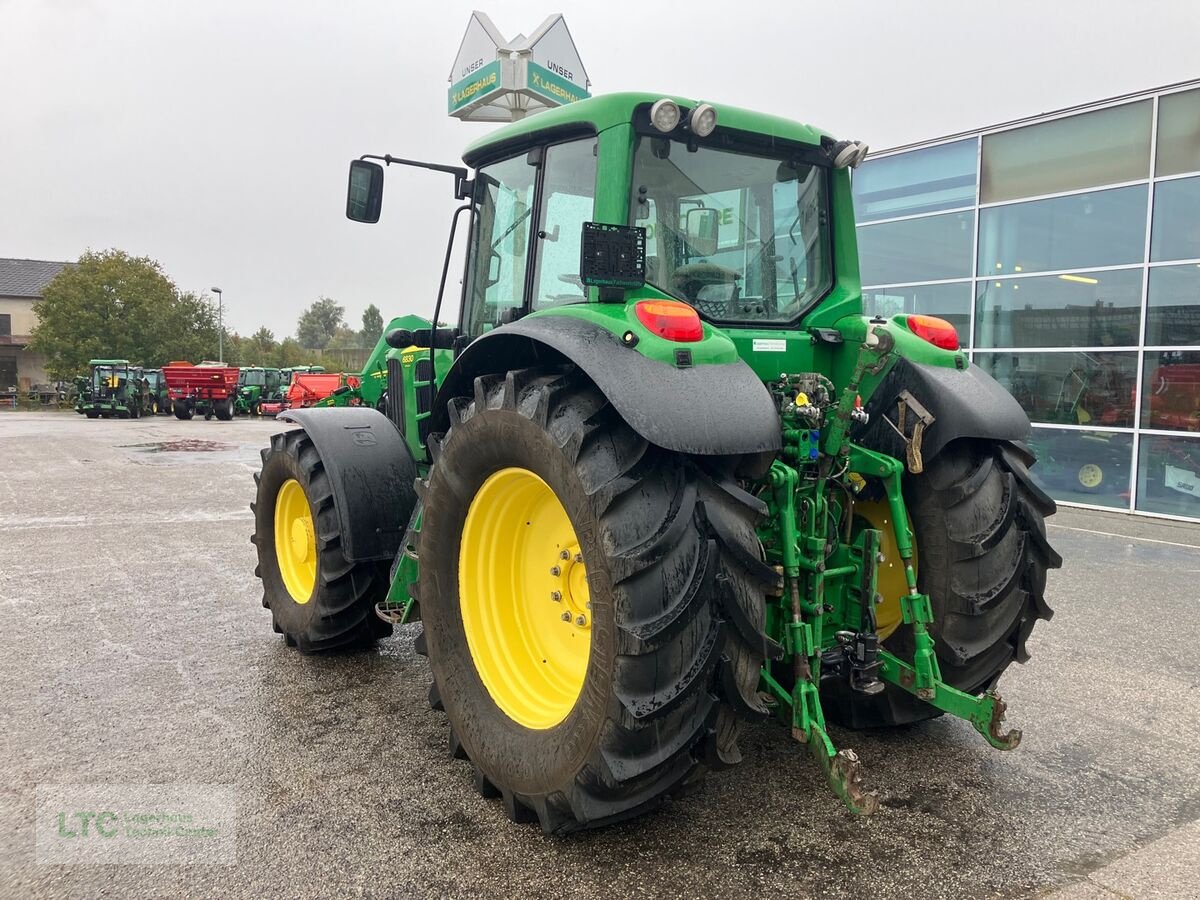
(670,319)
(937,331)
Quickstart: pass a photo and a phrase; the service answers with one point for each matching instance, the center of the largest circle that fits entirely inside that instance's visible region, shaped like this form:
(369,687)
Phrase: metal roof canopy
(498,80)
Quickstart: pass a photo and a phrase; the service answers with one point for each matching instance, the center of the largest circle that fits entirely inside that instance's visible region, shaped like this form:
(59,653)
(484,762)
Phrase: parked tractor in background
(274,402)
(159,400)
(305,389)
(206,389)
(255,383)
(115,389)
(649,487)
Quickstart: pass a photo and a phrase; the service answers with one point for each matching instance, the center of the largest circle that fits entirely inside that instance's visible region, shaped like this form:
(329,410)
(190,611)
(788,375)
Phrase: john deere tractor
(255,384)
(663,475)
(115,390)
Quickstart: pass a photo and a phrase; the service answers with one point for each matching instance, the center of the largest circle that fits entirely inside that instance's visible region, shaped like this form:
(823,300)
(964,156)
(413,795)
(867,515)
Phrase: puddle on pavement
(187,445)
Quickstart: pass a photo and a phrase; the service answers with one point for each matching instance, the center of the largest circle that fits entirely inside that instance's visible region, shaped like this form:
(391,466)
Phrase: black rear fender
(706,410)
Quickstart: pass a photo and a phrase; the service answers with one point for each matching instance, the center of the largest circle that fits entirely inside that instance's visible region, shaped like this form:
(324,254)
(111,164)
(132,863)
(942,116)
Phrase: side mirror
(701,229)
(364,196)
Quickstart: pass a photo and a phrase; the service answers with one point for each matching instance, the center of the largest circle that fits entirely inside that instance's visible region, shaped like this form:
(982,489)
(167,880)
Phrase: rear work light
(937,331)
(670,319)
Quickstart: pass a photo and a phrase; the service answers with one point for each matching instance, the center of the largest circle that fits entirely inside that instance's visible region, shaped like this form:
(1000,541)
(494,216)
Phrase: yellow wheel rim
(295,541)
(1090,475)
(890,583)
(524,600)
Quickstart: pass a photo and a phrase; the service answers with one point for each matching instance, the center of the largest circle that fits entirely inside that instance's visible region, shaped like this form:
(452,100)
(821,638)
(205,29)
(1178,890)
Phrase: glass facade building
(1065,249)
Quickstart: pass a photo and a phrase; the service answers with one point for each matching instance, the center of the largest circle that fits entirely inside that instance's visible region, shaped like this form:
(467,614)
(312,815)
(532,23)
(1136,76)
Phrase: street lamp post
(220,324)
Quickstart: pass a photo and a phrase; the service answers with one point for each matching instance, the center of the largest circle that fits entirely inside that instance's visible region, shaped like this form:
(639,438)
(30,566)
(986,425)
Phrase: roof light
(702,120)
(670,319)
(937,331)
(664,115)
(1081,279)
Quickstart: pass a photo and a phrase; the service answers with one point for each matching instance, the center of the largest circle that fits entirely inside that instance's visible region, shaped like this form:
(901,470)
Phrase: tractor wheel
(92,414)
(982,557)
(254,410)
(593,605)
(318,600)
(183,411)
(223,409)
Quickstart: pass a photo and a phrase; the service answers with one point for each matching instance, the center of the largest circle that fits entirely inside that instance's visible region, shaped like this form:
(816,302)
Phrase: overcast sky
(214,135)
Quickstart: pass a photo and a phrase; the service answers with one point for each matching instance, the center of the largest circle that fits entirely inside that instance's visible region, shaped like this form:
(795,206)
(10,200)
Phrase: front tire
(582,723)
(318,599)
(982,557)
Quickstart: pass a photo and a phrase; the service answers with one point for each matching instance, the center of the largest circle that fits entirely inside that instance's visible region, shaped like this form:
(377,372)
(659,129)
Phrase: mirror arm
(463,186)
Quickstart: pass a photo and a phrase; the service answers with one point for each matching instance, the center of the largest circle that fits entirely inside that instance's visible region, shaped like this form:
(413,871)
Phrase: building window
(1082,388)
(1178,134)
(920,181)
(1087,309)
(1169,475)
(1175,231)
(1173,305)
(951,302)
(5,325)
(1171,390)
(1078,466)
(1102,147)
(1102,228)
(931,248)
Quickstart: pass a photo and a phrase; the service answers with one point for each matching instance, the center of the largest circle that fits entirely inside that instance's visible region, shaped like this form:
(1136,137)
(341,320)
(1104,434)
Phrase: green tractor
(255,384)
(663,476)
(115,389)
(158,402)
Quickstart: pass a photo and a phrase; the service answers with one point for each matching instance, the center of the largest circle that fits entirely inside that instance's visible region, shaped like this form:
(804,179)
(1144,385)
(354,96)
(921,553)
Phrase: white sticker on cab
(770,345)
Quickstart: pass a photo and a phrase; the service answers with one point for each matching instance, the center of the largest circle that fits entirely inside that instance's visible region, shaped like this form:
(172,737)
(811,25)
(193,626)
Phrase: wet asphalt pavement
(134,650)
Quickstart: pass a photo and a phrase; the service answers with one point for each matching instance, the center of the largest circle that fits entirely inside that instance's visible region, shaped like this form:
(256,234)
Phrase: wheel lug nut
(880,557)
(581,621)
(578,557)
(564,555)
(556,596)
(555,571)
(566,617)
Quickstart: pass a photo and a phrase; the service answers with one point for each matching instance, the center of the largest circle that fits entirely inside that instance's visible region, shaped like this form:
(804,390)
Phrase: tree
(113,305)
(289,353)
(319,323)
(345,339)
(372,326)
(261,346)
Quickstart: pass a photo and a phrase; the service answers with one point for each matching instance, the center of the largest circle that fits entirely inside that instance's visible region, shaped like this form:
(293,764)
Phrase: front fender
(371,473)
(707,410)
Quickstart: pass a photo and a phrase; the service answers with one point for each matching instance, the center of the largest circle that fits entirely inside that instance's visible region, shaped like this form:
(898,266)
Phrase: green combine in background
(663,475)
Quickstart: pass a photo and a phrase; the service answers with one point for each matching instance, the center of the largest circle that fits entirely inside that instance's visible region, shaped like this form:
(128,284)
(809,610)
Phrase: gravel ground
(135,651)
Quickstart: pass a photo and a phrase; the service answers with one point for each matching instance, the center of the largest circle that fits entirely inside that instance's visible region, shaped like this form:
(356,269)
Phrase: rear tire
(336,611)
(91,414)
(982,557)
(223,409)
(675,605)
(183,412)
